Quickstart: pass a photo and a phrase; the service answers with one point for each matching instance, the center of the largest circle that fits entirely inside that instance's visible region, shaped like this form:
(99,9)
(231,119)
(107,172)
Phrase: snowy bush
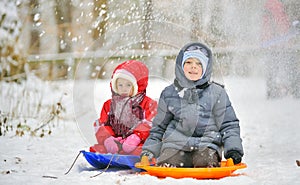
(31,107)
(10,25)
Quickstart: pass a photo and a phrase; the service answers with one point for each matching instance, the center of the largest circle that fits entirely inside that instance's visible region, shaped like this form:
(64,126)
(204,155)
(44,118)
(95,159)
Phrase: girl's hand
(111,145)
(131,143)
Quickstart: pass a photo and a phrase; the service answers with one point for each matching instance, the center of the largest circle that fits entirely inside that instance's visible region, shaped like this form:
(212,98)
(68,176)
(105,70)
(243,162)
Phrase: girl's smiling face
(124,87)
(192,69)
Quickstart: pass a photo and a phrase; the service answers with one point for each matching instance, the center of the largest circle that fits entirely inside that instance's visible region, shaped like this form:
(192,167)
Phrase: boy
(195,119)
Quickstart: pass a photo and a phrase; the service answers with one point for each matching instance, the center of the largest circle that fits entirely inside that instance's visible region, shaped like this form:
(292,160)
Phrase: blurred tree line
(55,36)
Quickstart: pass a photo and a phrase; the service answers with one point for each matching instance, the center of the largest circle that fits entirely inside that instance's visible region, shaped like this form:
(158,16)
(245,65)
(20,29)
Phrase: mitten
(234,155)
(148,154)
(111,145)
(130,143)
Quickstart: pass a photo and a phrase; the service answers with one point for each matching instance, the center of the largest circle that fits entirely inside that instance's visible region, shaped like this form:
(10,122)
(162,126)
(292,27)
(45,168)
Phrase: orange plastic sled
(227,168)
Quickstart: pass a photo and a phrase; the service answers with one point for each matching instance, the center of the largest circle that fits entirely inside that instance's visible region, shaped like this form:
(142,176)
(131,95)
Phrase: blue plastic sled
(101,161)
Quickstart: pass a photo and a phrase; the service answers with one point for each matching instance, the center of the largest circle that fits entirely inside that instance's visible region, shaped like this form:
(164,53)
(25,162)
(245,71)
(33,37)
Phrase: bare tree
(195,17)
(146,24)
(63,13)
(35,19)
(200,30)
(99,21)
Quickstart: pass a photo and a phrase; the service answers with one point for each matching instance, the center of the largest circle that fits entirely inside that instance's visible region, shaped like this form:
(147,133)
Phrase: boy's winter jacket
(194,114)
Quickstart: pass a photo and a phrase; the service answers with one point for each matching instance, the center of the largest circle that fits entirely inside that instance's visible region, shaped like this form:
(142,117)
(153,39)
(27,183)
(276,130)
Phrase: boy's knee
(206,158)
(174,157)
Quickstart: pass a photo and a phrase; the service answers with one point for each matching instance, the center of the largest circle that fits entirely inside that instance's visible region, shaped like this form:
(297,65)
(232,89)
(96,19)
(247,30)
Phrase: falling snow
(269,124)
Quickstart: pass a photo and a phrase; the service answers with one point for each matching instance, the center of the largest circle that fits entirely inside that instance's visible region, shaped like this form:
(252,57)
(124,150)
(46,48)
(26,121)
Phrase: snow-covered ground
(269,131)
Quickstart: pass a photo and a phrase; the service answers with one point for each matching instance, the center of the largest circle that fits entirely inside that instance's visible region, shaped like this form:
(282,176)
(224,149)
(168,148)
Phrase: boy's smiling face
(192,69)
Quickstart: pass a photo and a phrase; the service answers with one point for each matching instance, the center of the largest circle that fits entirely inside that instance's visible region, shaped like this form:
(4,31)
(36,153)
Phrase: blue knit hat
(198,55)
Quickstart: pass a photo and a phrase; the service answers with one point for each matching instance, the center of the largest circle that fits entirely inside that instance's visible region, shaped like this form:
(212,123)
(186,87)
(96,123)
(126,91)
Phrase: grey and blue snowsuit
(194,115)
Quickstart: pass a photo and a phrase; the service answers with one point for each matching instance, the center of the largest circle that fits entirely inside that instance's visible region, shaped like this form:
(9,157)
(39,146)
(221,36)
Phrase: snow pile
(269,131)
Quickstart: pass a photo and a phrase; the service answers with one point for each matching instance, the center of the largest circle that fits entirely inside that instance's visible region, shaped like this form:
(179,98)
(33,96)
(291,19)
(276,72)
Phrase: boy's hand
(235,156)
(148,154)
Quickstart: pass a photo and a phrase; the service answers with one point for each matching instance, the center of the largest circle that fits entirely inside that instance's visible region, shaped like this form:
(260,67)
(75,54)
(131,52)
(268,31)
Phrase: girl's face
(124,87)
(192,69)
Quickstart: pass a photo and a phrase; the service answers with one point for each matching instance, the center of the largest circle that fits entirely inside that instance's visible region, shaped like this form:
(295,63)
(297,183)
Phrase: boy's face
(192,69)
(124,87)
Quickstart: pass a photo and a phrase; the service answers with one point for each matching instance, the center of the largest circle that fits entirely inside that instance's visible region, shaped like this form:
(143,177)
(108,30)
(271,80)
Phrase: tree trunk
(195,17)
(63,13)
(35,31)
(146,27)
(63,17)
(99,22)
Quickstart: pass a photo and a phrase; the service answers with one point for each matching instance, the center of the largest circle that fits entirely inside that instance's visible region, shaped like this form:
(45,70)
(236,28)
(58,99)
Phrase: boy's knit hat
(198,55)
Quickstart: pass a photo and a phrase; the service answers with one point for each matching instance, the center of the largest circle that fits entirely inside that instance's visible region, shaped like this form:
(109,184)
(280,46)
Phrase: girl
(125,119)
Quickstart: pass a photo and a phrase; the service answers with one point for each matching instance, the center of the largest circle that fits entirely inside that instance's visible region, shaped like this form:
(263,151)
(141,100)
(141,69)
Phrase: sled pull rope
(105,169)
(73,163)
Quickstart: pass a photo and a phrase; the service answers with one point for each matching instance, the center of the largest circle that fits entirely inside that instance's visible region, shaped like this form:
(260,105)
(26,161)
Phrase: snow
(269,132)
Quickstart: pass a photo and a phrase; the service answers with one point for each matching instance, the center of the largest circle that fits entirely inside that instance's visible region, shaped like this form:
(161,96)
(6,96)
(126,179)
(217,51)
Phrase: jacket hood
(179,73)
(135,71)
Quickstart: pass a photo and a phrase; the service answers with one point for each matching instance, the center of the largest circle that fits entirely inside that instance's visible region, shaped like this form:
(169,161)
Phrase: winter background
(46,117)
